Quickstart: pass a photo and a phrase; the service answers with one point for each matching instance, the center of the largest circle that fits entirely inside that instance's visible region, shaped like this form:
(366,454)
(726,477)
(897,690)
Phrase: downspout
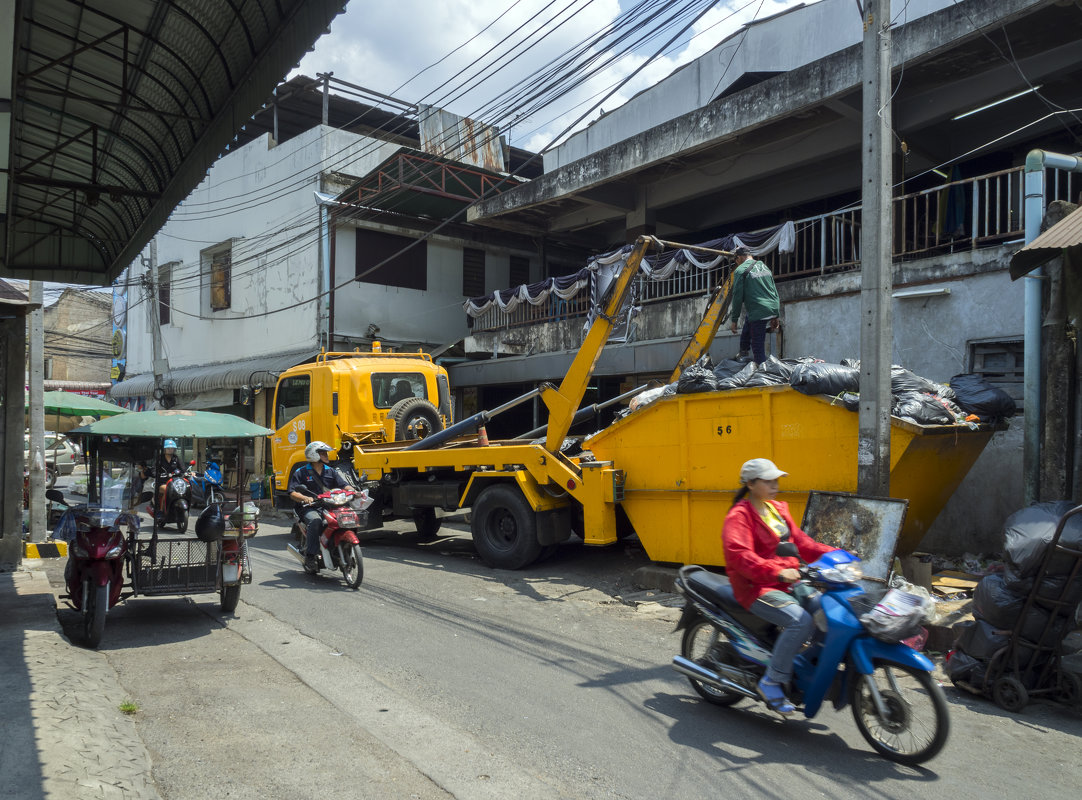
(1036,163)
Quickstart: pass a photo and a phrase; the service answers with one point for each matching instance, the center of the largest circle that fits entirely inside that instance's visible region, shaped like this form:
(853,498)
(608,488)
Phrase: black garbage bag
(729,367)
(739,380)
(962,667)
(902,380)
(699,377)
(823,378)
(851,400)
(1053,587)
(922,408)
(980,639)
(1028,532)
(975,395)
(772,372)
(996,604)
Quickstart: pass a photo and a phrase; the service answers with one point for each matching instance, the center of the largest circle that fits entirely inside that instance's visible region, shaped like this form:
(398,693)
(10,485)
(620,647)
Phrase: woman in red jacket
(762,580)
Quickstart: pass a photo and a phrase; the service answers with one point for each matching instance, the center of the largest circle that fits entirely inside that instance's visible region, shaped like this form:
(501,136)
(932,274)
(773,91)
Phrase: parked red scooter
(97,545)
(344,513)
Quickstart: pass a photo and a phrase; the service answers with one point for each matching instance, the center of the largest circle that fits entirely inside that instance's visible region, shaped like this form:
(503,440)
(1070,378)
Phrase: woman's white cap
(760,469)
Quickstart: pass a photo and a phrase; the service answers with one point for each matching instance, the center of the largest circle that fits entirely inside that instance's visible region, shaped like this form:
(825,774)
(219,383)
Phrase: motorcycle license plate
(347,518)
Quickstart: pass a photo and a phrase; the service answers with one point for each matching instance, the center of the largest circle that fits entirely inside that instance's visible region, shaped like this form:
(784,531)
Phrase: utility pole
(36,386)
(161,365)
(876,331)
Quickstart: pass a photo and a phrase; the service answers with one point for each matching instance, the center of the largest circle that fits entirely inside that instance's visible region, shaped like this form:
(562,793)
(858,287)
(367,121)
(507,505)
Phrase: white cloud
(390,47)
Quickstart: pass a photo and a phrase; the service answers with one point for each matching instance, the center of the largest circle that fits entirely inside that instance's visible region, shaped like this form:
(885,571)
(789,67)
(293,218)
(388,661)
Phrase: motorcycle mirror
(55,495)
(787,549)
(191,463)
(245,395)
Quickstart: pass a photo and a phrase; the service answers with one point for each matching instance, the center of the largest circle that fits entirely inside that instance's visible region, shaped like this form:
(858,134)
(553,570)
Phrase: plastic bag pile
(968,400)
(1000,598)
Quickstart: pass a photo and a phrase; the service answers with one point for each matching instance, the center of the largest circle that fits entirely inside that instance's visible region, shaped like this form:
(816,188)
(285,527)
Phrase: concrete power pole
(876,332)
(36,385)
(160,365)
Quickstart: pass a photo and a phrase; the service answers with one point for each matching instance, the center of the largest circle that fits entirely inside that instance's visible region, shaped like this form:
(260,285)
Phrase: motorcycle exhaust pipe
(709,677)
(297,554)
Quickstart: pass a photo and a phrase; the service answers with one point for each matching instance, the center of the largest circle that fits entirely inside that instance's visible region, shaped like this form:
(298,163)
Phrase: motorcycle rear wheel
(351,562)
(706,645)
(917,722)
(97,604)
(230,596)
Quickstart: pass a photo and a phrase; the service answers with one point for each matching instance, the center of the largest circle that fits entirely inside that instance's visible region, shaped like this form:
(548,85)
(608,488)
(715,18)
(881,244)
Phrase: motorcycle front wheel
(706,645)
(97,604)
(917,722)
(351,563)
(215,497)
(182,520)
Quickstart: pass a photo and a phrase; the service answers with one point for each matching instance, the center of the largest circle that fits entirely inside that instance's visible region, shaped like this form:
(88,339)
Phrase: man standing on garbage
(754,290)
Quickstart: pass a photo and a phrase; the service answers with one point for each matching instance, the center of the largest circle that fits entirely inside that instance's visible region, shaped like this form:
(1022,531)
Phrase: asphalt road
(545,683)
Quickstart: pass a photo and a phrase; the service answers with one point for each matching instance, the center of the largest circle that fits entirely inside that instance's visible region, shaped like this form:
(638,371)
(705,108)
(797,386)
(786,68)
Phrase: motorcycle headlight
(850,572)
(115,551)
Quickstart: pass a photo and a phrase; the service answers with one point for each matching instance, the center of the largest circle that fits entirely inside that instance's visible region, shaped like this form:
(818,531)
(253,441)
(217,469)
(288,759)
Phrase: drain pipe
(1036,163)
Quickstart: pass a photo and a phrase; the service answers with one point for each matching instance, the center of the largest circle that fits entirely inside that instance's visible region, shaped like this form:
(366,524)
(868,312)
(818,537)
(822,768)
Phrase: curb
(45,549)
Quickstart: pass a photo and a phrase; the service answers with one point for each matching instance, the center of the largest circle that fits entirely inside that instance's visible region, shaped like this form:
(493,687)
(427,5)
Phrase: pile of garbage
(967,400)
(1001,597)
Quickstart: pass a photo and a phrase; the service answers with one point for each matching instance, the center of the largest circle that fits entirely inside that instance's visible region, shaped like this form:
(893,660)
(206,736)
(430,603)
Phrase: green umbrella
(77,405)
(175,423)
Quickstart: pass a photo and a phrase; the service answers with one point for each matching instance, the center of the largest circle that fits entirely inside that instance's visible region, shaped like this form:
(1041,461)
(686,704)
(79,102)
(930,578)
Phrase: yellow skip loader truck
(666,471)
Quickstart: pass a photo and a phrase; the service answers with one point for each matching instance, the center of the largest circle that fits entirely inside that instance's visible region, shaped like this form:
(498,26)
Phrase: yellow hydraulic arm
(716,311)
(563,402)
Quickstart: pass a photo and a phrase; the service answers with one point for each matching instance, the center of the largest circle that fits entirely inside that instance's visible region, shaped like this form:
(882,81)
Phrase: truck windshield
(389,388)
(292,399)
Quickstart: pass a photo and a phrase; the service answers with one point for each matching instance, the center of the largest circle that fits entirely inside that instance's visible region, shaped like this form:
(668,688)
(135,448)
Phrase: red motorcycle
(97,546)
(344,513)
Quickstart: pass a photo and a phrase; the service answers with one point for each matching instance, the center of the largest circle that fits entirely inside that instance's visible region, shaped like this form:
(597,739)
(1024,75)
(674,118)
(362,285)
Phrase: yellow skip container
(682,456)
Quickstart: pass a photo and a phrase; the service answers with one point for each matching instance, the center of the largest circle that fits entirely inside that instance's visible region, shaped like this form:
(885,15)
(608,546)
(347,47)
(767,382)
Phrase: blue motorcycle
(206,485)
(899,709)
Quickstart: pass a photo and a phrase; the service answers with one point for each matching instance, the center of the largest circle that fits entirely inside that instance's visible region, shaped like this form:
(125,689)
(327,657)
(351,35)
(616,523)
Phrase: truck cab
(363,398)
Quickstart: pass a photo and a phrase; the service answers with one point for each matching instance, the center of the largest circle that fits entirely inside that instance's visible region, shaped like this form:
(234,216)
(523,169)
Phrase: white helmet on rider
(312,451)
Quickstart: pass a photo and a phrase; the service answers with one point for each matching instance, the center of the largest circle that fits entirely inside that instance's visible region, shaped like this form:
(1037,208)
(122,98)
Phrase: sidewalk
(63,734)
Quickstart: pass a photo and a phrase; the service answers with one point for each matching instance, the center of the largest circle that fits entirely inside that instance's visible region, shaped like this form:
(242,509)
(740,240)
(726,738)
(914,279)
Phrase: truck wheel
(414,418)
(505,528)
(426,522)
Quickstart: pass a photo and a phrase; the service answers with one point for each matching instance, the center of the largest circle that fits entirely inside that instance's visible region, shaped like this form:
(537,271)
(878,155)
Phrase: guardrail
(959,215)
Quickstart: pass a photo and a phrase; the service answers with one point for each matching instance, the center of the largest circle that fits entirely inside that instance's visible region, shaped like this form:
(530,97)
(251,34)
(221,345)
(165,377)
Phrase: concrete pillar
(642,221)
(12,373)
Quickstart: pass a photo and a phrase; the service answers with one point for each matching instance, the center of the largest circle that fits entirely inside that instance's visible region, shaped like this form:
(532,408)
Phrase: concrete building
(78,338)
(330,223)
(765,130)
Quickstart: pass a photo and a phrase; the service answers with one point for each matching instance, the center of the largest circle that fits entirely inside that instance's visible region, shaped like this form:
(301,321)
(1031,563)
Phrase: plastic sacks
(922,408)
(738,380)
(699,377)
(772,372)
(1028,533)
(980,639)
(996,604)
(729,367)
(899,614)
(819,377)
(964,668)
(902,380)
(975,395)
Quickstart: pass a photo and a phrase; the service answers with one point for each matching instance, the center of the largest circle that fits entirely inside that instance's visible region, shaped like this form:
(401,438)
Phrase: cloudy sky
(479,57)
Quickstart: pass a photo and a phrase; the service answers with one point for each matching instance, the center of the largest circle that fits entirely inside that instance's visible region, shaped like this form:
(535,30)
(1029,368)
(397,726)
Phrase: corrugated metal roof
(1065,233)
(119,108)
(230,375)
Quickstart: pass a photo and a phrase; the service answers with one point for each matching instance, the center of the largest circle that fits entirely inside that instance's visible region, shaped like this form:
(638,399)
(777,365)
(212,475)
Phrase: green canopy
(77,405)
(175,423)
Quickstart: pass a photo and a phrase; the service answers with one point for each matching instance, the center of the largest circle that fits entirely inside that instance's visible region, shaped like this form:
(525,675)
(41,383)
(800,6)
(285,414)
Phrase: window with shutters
(390,260)
(165,272)
(217,269)
(520,271)
(1000,362)
(473,272)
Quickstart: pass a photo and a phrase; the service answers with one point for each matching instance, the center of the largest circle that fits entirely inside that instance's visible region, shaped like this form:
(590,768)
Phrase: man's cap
(742,251)
(760,469)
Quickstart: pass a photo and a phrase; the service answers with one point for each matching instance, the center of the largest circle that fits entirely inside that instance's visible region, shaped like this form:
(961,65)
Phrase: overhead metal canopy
(116,109)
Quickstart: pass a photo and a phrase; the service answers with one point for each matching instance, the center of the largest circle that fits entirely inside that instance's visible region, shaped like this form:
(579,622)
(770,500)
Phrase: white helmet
(312,451)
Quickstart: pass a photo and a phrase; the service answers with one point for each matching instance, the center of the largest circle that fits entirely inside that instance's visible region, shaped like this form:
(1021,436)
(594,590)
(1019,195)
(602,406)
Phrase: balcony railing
(959,215)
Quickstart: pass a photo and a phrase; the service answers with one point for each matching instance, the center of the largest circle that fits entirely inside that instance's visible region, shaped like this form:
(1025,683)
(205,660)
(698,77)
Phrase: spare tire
(414,418)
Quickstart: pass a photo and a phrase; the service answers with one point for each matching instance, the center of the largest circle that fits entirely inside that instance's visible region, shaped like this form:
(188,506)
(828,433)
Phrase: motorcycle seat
(716,589)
